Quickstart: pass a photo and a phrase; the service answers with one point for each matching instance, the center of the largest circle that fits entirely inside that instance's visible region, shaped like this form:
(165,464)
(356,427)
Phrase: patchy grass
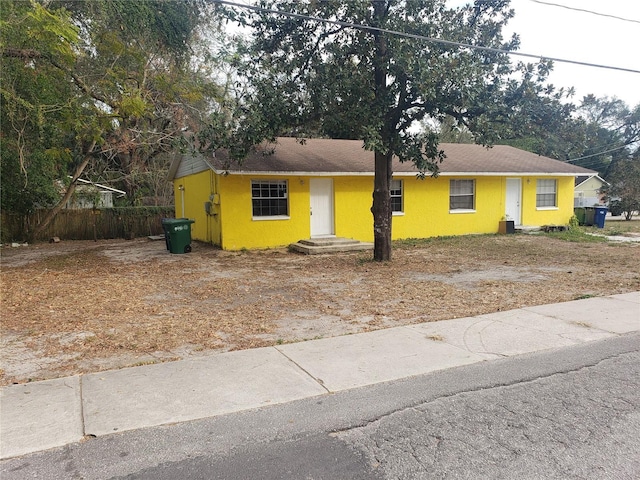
(576,235)
(78,307)
(585,296)
(423,242)
(617,228)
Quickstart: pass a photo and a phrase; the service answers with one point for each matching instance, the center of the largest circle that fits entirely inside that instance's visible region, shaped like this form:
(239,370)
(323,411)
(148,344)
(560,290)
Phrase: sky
(558,32)
(549,30)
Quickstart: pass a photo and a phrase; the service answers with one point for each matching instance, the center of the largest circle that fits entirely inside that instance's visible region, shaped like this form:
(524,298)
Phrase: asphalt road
(572,413)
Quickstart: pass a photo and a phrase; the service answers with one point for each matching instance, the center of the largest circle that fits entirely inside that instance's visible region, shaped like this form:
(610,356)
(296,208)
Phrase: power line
(586,11)
(596,154)
(592,164)
(420,37)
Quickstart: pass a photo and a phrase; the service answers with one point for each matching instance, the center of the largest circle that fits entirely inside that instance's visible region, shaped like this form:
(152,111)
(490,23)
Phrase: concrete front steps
(528,228)
(314,246)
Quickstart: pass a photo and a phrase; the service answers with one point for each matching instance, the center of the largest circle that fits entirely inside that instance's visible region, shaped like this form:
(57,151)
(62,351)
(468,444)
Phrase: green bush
(574,223)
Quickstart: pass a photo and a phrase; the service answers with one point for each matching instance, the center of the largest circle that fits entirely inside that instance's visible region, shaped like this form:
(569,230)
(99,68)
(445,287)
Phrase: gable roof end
(580,179)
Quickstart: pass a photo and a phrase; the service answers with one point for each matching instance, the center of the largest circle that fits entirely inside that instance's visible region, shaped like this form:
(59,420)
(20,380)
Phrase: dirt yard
(76,307)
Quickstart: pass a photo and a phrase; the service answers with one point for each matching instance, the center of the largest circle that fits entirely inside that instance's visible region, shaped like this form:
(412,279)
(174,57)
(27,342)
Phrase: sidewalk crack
(82,423)
(319,381)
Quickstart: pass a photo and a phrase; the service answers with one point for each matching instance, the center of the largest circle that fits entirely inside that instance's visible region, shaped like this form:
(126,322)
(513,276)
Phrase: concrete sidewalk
(52,413)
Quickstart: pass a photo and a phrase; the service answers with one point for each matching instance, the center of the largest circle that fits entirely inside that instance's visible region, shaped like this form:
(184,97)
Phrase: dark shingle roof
(348,157)
(582,178)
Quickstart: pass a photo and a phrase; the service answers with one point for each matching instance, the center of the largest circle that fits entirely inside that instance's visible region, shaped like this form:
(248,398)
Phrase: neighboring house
(587,191)
(290,191)
(92,195)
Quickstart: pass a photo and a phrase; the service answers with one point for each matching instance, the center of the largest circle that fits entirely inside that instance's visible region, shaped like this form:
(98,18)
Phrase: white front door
(513,200)
(321,208)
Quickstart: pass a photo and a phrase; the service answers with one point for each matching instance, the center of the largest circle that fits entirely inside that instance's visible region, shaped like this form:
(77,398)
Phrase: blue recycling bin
(599,216)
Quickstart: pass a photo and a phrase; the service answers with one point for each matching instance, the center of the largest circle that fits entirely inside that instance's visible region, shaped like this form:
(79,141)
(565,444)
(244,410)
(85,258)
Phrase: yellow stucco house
(290,191)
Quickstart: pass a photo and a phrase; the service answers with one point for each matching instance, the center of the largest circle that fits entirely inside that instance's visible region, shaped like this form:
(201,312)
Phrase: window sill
(462,210)
(397,214)
(273,217)
(546,208)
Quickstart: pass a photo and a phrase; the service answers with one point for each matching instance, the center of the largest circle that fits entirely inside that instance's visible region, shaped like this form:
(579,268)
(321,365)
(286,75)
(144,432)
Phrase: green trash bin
(589,219)
(177,234)
(581,214)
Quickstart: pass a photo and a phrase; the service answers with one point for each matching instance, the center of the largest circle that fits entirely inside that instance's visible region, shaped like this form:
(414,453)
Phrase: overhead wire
(442,41)
(421,37)
(596,154)
(584,10)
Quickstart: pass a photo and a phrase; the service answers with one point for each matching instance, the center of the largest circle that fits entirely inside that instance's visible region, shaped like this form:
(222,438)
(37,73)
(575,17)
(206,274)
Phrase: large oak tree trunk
(381,208)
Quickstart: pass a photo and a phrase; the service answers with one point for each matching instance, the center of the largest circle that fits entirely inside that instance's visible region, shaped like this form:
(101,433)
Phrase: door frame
(509,207)
(321,202)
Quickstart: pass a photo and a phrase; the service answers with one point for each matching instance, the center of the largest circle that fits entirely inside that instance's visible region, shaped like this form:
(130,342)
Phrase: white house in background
(587,191)
(93,195)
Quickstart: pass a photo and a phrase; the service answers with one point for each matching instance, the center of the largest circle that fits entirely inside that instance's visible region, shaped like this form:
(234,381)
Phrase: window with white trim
(462,194)
(546,193)
(269,198)
(396,195)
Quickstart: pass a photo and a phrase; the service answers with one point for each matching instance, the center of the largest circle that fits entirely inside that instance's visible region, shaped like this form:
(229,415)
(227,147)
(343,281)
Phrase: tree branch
(67,195)
(30,54)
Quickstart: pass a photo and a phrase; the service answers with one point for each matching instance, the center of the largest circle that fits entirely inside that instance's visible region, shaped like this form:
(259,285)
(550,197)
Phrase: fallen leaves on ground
(77,307)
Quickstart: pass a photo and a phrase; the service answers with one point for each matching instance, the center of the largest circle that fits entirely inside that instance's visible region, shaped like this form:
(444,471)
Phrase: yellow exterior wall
(545,216)
(198,189)
(353,199)
(426,208)
(240,230)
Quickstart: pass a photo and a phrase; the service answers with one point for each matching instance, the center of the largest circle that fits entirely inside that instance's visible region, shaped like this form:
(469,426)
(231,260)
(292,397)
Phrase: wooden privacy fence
(88,224)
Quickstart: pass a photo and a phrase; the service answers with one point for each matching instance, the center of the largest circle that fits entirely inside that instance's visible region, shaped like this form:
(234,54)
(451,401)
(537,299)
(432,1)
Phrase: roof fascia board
(509,174)
(395,174)
(208,164)
(173,168)
(294,174)
(604,182)
(98,185)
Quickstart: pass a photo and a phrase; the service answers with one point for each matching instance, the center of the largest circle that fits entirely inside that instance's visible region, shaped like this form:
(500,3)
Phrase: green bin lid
(177,221)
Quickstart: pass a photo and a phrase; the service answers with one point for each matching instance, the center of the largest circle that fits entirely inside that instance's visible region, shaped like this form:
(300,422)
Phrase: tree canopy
(352,77)
(594,132)
(110,84)
(623,186)
(106,88)
(37,102)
